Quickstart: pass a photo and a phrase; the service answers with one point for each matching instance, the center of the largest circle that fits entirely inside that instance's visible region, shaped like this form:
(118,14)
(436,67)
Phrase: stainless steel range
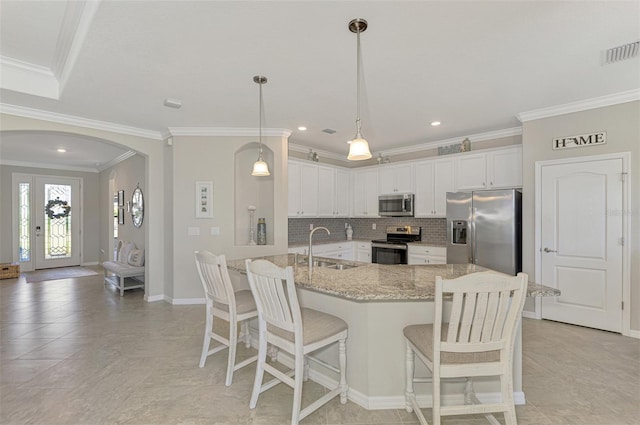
(393,249)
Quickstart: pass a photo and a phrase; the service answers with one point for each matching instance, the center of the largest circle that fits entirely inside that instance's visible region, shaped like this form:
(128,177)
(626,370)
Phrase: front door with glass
(48,224)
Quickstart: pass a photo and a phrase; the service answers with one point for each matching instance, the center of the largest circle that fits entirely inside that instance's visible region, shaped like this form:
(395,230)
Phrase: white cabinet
(471,171)
(395,179)
(338,251)
(423,254)
(362,252)
(365,193)
(433,179)
(303,189)
(505,168)
(333,192)
(297,250)
(495,169)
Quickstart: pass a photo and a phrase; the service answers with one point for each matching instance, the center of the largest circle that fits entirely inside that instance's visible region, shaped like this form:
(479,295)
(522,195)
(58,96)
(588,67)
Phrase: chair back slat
(479,317)
(454,317)
(274,291)
(214,276)
(490,318)
(484,311)
(467,317)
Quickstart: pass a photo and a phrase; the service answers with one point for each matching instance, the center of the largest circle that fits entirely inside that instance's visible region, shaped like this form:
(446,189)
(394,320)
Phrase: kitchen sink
(341,266)
(326,264)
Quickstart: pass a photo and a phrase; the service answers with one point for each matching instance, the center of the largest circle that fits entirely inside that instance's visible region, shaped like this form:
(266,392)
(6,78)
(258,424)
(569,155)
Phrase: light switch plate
(373,226)
(215,231)
(193,231)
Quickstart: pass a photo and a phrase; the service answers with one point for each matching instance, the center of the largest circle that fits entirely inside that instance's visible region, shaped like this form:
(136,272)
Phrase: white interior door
(57,215)
(581,242)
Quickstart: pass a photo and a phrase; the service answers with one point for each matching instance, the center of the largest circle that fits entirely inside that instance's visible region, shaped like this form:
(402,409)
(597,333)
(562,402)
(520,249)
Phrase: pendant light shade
(358,147)
(260,167)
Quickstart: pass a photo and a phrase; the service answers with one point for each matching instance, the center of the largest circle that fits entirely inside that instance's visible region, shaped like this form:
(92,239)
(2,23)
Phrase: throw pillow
(136,257)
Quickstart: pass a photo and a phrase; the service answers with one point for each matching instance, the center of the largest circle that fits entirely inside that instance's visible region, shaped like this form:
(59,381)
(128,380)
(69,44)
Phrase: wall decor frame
(204,199)
(121,198)
(120,215)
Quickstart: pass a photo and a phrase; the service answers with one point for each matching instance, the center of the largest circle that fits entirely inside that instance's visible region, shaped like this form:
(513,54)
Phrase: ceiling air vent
(623,52)
(328,131)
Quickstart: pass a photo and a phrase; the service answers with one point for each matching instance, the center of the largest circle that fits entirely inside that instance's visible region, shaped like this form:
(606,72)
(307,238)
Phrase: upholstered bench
(129,263)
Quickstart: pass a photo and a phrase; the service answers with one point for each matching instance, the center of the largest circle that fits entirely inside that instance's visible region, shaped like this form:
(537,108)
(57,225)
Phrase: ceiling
(472,65)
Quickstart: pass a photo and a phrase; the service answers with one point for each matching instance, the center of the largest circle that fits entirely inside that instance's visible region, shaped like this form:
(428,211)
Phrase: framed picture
(121,198)
(120,215)
(204,199)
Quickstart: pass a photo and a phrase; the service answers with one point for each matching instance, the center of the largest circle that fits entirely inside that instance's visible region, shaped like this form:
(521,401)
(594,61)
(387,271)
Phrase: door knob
(549,250)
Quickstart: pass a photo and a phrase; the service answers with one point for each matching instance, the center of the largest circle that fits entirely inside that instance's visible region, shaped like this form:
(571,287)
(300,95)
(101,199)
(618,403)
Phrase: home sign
(591,139)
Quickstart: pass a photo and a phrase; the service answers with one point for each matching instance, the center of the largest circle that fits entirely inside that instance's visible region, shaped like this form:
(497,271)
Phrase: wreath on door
(57,208)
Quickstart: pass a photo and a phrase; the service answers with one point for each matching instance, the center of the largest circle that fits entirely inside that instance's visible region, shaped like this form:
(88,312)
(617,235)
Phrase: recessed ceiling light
(61,150)
(173,103)
(302,128)
(435,123)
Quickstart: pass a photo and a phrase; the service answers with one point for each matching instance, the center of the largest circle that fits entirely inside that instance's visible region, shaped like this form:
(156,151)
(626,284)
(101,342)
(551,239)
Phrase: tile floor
(74,352)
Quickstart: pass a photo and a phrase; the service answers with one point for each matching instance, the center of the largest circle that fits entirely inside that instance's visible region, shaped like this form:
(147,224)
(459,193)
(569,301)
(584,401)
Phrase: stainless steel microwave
(397,205)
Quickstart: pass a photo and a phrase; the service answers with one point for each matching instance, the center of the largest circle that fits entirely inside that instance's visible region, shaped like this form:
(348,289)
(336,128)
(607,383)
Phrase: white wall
(213,159)
(621,122)
(127,175)
(153,152)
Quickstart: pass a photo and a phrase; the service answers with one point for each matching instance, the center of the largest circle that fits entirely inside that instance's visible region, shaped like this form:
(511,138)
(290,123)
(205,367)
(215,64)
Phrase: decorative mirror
(137,207)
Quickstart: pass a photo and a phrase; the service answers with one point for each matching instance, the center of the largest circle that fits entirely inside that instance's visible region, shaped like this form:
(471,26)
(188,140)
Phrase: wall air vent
(328,131)
(620,53)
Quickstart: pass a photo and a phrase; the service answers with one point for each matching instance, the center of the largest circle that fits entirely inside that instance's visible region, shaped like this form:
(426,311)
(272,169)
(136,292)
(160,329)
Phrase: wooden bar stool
(477,340)
(297,331)
(224,303)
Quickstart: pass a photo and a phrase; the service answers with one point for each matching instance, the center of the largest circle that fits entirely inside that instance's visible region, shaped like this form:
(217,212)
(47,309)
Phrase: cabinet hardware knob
(549,250)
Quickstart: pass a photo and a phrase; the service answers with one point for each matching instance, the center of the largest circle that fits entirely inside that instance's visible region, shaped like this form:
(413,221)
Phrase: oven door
(388,253)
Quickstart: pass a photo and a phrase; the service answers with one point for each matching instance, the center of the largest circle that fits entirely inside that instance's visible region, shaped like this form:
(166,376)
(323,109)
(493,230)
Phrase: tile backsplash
(434,230)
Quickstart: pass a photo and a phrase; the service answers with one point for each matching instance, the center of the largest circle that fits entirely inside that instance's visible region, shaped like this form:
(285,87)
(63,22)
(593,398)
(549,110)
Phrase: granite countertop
(377,282)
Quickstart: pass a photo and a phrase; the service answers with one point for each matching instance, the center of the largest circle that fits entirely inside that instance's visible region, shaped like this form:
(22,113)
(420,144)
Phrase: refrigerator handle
(472,224)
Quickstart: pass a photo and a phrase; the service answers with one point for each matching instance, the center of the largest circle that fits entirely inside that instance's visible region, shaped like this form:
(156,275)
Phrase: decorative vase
(262,232)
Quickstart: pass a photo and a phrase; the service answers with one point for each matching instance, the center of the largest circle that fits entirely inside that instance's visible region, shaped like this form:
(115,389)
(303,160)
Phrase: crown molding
(115,161)
(75,26)
(48,165)
(227,131)
(478,137)
(582,105)
(38,114)
(324,154)
(28,78)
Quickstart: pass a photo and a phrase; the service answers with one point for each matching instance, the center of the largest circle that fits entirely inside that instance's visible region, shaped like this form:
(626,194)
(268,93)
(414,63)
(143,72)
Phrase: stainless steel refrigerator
(485,228)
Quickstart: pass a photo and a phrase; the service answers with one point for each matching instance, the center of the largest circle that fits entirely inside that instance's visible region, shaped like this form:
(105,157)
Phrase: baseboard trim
(154,298)
(530,315)
(186,301)
(632,334)
(90,263)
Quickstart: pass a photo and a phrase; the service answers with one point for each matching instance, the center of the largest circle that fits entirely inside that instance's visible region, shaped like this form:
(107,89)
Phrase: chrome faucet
(311,245)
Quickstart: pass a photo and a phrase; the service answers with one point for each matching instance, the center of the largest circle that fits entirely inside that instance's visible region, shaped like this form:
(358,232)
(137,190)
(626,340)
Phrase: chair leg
(262,358)
(297,387)
(506,383)
(436,396)
(305,377)
(409,371)
(344,389)
(246,333)
(121,286)
(233,342)
(207,339)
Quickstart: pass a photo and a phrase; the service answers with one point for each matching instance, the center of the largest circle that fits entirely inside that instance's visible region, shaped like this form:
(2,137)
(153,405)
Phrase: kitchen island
(378,301)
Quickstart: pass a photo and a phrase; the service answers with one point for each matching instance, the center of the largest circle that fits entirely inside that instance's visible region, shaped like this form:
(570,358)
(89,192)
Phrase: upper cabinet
(490,170)
(395,179)
(365,193)
(433,179)
(303,189)
(333,192)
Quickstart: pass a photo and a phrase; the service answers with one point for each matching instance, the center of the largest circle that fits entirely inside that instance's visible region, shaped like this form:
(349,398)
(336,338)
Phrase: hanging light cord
(358,125)
(260,121)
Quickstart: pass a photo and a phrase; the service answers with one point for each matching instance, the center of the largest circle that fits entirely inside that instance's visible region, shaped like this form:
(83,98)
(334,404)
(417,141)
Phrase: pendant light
(358,147)
(260,167)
